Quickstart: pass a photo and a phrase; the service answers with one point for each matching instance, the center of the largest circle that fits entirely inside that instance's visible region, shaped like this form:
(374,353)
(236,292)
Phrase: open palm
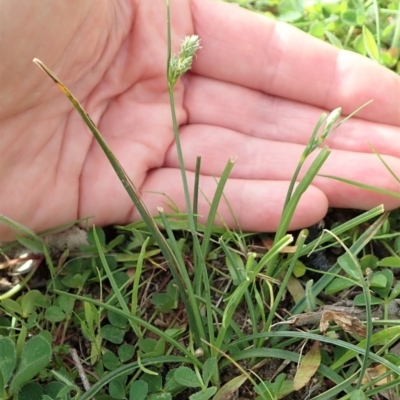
(255,92)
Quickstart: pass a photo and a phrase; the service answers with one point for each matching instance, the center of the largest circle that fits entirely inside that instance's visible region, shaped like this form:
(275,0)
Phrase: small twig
(346,307)
(79,367)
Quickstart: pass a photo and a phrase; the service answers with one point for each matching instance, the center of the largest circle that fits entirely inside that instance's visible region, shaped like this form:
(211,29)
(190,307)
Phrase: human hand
(255,91)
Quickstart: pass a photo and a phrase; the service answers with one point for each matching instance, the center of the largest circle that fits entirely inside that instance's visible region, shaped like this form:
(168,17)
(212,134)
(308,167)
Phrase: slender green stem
(187,282)
(202,286)
(396,36)
(378,28)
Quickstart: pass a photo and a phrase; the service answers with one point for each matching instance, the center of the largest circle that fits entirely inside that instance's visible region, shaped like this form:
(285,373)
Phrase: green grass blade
(196,190)
(303,157)
(136,279)
(321,338)
(35,240)
(294,200)
(363,186)
(384,162)
(214,205)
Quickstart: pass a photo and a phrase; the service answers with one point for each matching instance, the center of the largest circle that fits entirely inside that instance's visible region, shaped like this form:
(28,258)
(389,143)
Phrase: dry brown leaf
(346,322)
(373,373)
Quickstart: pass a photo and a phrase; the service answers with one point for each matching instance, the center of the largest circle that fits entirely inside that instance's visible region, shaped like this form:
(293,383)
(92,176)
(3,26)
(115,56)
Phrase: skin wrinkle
(98,52)
(326,105)
(43,85)
(247,155)
(275,115)
(276,41)
(98,106)
(65,161)
(107,86)
(102,96)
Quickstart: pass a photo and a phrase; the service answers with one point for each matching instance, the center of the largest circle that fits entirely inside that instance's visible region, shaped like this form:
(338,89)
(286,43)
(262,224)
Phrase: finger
(256,205)
(252,112)
(250,50)
(268,160)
